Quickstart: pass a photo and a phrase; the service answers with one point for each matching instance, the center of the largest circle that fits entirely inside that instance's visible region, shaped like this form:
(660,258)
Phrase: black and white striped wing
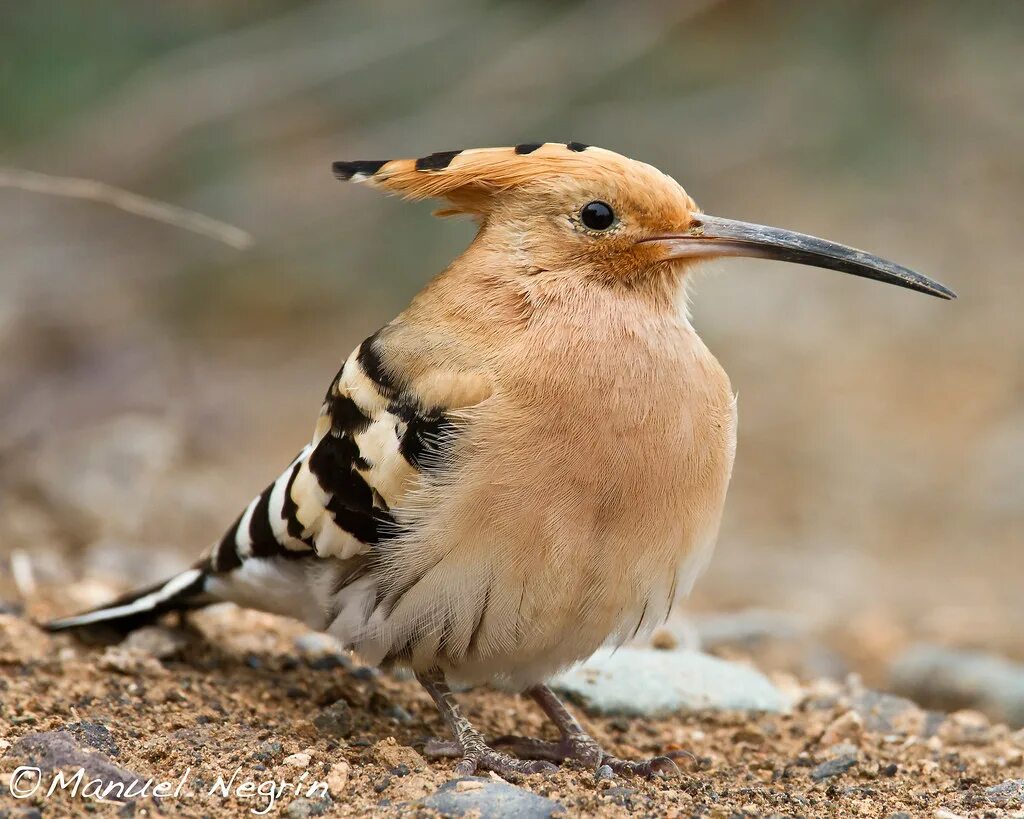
(335,498)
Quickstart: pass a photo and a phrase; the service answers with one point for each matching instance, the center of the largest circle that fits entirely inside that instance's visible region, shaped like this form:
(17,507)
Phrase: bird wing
(384,423)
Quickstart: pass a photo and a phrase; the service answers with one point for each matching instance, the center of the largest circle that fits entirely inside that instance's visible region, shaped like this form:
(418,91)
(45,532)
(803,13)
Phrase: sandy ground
(233,694)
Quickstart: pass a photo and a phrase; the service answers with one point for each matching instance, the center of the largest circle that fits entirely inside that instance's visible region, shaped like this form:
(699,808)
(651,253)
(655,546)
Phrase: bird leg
(470,743)
(576,744)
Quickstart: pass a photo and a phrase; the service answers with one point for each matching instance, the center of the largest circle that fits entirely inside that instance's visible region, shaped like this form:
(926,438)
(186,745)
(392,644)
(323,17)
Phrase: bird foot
(480,757)
(584,750)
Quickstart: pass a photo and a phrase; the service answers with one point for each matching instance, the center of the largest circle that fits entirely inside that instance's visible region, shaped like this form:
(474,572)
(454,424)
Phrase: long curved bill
(710,236)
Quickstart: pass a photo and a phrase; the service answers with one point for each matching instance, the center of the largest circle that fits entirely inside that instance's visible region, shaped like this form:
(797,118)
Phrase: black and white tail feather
(142,607)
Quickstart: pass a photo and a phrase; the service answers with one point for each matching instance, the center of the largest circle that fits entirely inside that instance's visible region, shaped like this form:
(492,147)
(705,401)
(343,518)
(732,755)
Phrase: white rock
(645,682)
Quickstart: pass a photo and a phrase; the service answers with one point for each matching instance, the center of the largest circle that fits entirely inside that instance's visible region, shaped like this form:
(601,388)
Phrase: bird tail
(186,590)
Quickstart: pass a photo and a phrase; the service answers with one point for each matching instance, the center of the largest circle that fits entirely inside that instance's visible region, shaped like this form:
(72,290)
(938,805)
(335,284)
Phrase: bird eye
(597,215)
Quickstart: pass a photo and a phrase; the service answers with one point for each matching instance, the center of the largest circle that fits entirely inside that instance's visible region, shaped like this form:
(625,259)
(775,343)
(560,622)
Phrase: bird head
(574,209)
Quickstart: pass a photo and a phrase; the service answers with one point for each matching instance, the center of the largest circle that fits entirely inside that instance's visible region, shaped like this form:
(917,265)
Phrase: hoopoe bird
(526,464)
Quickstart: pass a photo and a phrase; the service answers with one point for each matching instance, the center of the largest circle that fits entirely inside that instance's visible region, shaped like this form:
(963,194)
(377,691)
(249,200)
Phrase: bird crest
(470,179)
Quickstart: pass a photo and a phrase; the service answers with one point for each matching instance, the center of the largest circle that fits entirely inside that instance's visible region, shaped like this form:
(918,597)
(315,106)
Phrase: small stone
(268,751)
(299,760)
(644,682)
(1010,792)
(833,767)
(664,640)
(390,754)
(337,778)
(491,799)
(604,772)
(844,728)
(335,720)
(887,714)
(60,749)
(156,641)
(841,749)
(382,784)
(93,735)
(966,727)
(621,796)
(131,663)
(890,770)
(303,808)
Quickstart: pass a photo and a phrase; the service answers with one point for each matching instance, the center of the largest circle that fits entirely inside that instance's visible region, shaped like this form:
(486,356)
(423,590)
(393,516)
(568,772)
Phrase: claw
(659,767)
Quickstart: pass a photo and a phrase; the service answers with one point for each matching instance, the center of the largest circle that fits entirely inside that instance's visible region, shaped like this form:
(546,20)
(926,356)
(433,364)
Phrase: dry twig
(95,191)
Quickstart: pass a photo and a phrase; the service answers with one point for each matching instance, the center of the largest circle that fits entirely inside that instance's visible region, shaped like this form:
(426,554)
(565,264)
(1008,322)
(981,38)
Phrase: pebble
(302,808)
(93,735)
(888,714)
(492,799)
(335,720)
(131,662)
(61,749)
(337,778)
(833,767)
(966,727)
(156,641)
(847,726)
(951,678)
(390,754)
(621,796)
(634,681)
(299,760)
(1009,792)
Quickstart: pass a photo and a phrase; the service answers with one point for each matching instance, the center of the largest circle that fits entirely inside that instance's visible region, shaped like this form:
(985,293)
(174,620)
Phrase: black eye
(597,215)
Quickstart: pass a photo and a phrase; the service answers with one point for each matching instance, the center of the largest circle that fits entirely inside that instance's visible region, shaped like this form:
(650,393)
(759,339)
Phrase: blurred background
(154,379)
